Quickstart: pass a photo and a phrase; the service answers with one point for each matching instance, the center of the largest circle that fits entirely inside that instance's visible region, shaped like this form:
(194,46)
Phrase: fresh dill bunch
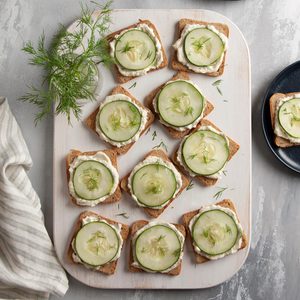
(69,63)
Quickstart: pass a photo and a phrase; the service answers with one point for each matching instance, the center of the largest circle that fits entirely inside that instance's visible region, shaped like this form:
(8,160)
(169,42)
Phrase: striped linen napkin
(29,268)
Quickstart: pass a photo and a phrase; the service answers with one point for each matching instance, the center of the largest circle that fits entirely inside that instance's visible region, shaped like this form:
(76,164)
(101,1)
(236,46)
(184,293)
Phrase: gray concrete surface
(272,29)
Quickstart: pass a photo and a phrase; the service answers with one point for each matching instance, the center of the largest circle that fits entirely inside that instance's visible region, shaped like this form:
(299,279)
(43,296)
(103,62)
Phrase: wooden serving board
(232,114)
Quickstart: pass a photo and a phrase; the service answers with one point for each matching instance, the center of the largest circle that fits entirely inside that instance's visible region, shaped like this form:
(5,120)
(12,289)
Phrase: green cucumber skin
(216,254)
(150,268)
(165,200)
(157,104)
(110,259)
(201,66)
(132,135)
(92,199)
(117,61)
(278,118)
(182,156)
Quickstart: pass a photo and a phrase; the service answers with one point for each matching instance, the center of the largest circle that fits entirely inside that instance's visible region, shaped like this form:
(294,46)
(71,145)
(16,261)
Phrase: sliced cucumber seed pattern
(215,232)
(203,47)
(180,103)
(97,243)
(157,248)
(135,50)
(154,185)
(92,180)
(289,117)
(205,152)
(119,120)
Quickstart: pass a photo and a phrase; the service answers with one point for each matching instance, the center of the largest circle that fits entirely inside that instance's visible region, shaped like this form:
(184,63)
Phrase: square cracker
(154,213)
(121,78)
(186,218)
(110,267)
(116,196)
(279,141)
(176,65)
(90,121)
(150,98)
(140,224)
(233,148)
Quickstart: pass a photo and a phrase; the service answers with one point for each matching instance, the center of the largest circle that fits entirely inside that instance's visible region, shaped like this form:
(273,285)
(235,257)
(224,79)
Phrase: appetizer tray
(232,100)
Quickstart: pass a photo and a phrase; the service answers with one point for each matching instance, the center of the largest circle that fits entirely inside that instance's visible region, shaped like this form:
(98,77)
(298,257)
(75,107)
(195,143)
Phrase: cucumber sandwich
(120,120)
(201,47)
(179,105)
(215,231)
(93,177)
(136,50)
(97,242)
(205,152)
(285,116)
(154,183)
(157,247)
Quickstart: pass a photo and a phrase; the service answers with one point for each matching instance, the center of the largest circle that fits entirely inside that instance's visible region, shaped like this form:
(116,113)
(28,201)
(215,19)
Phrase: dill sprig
(190,186)
(124,215)
(69,64)
(161,145)
(216,85)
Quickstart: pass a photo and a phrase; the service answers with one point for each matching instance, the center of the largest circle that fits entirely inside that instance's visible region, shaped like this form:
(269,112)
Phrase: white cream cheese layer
(182,128)
(277,128)
(179,45)
(155,160)
(181,161)
(143,113)
(180,236)
(116,227)
(159,54)
(105,160)
(231,213)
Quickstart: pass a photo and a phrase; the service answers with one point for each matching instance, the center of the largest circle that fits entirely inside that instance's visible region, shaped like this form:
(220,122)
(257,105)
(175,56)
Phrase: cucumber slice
(154,185)
(203,47)
(205,152)
(135,50)
(92,180)
(157,248)
(96,243)
(289,117)
(215,232)
(119,120)
(180,103)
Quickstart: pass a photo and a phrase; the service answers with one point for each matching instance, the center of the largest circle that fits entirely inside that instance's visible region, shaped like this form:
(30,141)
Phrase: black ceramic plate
(286,81)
